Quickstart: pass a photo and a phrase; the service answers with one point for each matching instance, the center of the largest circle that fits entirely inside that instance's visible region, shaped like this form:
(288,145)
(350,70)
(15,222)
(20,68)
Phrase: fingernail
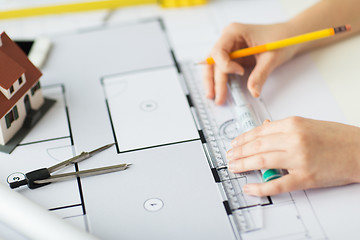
(229,154)
(256,90)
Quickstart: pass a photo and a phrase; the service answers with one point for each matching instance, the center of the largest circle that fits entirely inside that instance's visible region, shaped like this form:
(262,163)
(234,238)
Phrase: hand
(237,36)
(315,153)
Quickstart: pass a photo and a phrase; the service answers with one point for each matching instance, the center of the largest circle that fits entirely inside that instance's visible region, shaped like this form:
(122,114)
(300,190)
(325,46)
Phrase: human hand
(315,153)
(237,36)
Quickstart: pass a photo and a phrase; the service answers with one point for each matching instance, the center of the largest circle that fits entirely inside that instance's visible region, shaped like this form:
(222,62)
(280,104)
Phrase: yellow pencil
(71,8)
(284,43)
(91,6)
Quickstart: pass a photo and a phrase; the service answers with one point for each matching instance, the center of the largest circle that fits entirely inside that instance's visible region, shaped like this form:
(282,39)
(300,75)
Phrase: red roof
(9,49)
(10,71)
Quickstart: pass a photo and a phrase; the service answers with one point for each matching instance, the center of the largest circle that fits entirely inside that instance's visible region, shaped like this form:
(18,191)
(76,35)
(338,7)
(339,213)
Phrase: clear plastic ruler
(219,127)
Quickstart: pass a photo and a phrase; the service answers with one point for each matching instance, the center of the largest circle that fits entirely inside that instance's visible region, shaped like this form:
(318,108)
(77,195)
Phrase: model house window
(20,81)
(11,116)
(11,89)
(35,88)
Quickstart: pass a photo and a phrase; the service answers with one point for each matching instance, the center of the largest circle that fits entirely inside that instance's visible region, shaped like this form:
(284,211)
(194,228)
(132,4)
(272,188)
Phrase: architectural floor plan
(152,111)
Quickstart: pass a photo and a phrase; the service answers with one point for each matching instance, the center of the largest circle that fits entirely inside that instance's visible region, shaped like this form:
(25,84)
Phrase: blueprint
(124,104)
(130,83)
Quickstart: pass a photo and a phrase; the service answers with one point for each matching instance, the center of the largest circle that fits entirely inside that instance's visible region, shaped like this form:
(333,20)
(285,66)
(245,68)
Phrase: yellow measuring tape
(91,6)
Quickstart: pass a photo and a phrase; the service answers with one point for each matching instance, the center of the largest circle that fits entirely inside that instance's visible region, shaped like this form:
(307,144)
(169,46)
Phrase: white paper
(144,115)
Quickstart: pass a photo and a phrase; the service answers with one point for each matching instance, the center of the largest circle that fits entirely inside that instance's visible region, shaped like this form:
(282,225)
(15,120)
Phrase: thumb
(258,76)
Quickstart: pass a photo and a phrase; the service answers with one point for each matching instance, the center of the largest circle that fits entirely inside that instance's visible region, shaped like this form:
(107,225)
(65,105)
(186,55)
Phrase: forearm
(354,149)
(325,14)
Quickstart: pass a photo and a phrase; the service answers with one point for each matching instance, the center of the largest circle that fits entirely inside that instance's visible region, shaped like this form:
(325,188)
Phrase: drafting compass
(42,176)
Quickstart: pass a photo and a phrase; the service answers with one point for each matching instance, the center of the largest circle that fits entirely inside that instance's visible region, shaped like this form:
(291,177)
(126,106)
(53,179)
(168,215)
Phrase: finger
(230,39)
(261,71)
(209,81)
(283,184)
(269,160)
(268,143)
(265,129)
(225,64)
(220,86)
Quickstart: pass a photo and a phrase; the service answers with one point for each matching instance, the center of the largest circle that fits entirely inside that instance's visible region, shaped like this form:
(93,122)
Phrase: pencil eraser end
(348,27)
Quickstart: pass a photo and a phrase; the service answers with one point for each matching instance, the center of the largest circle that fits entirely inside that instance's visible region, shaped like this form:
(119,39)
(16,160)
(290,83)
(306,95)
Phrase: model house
(20,92)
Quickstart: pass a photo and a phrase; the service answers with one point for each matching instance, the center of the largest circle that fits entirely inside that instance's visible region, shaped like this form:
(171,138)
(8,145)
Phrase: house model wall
(20,91)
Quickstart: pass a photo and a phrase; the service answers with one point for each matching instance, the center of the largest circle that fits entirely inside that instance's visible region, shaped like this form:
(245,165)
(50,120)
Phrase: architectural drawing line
(69,125)
(175,61)
(189,99)
(45,140)
(112,124)
(79,215)
(287,236)
(80,190)
(317,219)
(249,206)
(160,145)
(65,207)
(72,144)
(133,71)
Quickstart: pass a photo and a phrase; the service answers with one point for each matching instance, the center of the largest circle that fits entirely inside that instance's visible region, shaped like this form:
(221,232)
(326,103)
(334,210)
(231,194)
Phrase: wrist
(283,31)
(353,150)
(356,176)
(293,28)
